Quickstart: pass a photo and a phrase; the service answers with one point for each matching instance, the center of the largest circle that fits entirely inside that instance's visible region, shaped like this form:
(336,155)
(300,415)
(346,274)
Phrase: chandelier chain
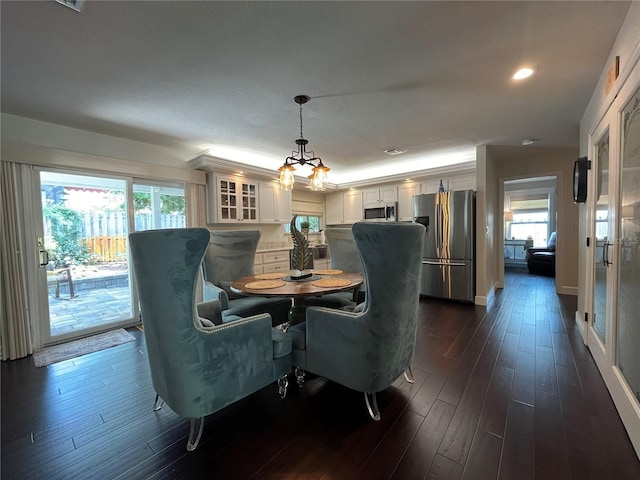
(301,136)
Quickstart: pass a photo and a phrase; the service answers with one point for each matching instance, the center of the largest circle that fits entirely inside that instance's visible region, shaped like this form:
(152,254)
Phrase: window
(530,218)
(602,220)
(314,223)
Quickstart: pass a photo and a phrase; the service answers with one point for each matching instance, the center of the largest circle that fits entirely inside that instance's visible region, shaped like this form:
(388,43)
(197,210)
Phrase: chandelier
(318,179)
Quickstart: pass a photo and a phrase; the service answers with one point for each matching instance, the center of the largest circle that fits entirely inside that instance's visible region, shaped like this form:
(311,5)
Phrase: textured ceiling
(430,78)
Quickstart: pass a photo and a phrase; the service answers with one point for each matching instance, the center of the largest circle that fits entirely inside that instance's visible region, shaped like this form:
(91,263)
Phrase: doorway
(529,218)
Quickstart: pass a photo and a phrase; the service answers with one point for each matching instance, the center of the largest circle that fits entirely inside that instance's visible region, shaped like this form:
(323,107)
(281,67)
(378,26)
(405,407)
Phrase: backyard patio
(100,296)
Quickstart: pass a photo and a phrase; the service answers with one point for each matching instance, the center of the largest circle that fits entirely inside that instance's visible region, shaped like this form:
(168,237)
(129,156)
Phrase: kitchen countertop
(277,246)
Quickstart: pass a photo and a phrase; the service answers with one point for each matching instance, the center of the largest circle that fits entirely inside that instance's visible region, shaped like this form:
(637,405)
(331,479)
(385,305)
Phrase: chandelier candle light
(318,179)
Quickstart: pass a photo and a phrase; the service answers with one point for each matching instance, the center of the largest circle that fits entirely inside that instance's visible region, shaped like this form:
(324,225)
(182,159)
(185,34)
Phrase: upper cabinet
(465,181)
(275,204)
(231,199)
(406,191)
(343,208)
(352,206)
(373,196)
(334,205)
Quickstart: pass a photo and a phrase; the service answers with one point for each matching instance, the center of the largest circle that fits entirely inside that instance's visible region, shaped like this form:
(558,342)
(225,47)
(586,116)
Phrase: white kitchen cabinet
(334,205)
(275,204)
(465,181)
(352,206)
(322,263)
(343,208)
(271,261)
(379,195)
(405,201)
(231,199)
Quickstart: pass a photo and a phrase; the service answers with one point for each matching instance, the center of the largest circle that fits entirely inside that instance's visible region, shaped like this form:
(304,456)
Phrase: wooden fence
(108,248)
(106,233)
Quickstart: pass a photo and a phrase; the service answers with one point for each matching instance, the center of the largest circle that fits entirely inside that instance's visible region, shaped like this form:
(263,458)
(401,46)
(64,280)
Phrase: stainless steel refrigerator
(448,263)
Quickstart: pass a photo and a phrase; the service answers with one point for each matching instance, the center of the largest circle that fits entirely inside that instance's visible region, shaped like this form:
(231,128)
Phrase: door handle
(444,264)
(43,254)
(605,254)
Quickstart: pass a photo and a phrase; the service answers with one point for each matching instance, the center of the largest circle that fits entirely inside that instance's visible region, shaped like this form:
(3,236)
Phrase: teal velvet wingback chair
(344,256)
(198,367)
(231,255)
(368,349)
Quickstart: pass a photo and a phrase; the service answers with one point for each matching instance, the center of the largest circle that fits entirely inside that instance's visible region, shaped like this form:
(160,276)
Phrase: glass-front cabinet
(232,199)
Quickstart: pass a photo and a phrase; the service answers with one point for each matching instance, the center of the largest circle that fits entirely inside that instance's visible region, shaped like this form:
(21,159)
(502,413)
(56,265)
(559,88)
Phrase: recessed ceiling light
(393,151)
(523,73)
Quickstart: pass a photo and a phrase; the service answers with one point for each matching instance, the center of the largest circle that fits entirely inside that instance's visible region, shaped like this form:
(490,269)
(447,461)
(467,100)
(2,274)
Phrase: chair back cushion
(230,255)
(391,255)
(342,250)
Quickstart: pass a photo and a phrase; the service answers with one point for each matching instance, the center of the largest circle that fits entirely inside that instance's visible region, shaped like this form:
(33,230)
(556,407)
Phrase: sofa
(542,260)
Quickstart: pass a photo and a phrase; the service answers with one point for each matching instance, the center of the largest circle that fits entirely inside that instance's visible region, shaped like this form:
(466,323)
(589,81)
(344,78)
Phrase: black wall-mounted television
(580,168)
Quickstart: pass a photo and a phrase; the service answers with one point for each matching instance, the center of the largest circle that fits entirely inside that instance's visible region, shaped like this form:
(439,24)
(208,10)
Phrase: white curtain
(194,195)
(14,322)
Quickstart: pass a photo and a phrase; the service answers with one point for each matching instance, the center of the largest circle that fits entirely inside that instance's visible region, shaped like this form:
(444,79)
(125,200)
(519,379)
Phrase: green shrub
(69,247)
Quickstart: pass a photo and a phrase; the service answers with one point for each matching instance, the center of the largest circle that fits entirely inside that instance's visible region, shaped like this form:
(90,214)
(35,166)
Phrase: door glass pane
(158,206)
(86,230)
(628,327)
(601,235)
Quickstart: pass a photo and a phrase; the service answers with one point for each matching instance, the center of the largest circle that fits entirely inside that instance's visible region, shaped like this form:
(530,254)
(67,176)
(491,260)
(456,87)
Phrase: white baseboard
(580,323)
(485,299)
(564,290)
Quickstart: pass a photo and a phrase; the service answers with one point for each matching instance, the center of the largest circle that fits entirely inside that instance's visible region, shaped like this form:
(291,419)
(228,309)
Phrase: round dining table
(281,284)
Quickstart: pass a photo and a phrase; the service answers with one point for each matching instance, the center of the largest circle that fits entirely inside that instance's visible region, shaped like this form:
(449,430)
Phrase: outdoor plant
(304,225)
(68,246)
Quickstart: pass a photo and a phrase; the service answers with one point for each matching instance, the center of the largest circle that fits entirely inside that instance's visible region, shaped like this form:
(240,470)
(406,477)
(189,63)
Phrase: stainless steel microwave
(383,212)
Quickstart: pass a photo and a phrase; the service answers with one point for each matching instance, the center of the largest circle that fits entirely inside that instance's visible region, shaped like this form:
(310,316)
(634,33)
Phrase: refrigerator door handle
(449,264)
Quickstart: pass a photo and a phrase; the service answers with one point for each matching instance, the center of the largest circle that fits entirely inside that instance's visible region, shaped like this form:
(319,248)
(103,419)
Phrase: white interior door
(602,233)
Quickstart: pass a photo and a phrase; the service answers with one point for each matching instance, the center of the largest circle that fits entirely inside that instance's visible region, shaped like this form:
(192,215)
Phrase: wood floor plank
(518,453)
(551,459)
(386,457)
(493,417)
(443,468)
(524,378)
(545,370)
(457,441)
(422,451)
(484,457)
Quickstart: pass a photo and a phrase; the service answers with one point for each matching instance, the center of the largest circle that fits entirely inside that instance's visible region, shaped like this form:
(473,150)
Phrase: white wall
(49,135)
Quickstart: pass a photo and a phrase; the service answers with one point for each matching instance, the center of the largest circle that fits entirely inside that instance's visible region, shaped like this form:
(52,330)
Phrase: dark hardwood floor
(504,392)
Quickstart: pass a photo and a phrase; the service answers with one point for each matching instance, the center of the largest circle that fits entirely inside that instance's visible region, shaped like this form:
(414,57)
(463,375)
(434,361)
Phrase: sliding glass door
(83,254)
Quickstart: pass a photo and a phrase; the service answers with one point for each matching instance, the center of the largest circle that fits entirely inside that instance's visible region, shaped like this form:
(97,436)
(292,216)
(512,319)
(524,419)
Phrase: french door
(613,332)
